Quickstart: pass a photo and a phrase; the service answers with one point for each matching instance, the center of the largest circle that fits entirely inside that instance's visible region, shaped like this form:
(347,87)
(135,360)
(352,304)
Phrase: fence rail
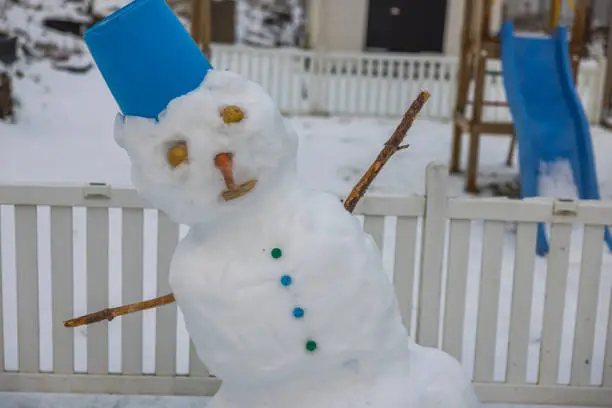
(377,84)
(528,330)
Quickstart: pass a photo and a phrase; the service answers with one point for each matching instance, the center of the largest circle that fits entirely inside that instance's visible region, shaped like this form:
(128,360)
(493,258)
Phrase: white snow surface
(228,284)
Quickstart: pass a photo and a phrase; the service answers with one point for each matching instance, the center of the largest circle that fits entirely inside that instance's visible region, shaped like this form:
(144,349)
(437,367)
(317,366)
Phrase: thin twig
(391,146)
(110,313)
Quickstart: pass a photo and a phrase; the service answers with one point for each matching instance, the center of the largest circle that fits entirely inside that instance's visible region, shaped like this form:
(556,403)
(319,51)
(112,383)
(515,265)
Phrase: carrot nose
(223,162)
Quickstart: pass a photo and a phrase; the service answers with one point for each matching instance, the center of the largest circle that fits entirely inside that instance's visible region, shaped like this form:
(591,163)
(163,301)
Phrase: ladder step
(491,103)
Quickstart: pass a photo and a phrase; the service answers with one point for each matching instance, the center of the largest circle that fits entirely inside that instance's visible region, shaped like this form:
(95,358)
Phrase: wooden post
(480,62)
(201,24)
(607,94)
(196,22)
(486,20)
(474,151)
(6,96)
(206,32)
(464,78)
(554,13)
(579,34)
(477,47)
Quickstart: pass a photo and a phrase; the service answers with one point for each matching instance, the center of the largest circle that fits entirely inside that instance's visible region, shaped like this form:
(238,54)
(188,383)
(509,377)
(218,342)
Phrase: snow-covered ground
(65,130)
(64,135)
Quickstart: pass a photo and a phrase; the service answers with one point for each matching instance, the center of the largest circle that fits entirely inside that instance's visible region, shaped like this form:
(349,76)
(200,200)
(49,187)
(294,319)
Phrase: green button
(311,345)
(276,253)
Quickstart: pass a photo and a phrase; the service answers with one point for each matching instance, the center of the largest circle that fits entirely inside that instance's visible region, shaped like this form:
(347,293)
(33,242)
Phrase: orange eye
(232,114)
(177,154)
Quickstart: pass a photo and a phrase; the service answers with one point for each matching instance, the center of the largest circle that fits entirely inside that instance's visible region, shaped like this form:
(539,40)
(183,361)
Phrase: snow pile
(103,8)
(556,180)
(47,29)
(53,29)
(268,23)
(48,32)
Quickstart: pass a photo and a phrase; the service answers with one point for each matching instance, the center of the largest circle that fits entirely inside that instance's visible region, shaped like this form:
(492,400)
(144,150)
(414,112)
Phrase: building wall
(341,25)
(454,23)
(338,25)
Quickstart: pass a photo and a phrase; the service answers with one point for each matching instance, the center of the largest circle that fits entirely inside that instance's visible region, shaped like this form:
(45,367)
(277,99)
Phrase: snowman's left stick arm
(391,146)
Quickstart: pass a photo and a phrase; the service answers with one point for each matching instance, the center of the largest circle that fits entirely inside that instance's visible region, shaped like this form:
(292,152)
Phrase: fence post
(318,82)
(432,255)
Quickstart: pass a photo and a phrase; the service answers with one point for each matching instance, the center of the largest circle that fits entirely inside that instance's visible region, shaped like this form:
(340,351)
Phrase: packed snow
(64,135)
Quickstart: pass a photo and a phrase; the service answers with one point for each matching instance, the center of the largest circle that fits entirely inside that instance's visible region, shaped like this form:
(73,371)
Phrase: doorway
(406,25)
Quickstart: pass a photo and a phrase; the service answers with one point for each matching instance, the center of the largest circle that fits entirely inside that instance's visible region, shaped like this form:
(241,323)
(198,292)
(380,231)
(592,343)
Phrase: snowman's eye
(232,114)
(177,154)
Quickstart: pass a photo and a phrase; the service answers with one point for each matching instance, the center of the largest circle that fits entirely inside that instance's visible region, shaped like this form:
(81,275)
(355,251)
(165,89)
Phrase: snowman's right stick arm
(391,146)
(110,313)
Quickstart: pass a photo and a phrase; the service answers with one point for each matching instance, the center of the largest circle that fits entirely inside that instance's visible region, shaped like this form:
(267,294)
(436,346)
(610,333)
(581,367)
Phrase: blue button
(298,312)
(286,280)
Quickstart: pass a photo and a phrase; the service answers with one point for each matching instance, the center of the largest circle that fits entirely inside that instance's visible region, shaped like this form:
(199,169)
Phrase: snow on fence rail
(528,330)
(376,84)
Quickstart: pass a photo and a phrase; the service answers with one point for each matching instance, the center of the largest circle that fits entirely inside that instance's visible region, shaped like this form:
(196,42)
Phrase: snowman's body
(283,294)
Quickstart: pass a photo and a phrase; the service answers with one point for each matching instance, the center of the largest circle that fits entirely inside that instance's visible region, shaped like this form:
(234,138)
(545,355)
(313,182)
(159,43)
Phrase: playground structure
(549,122)
(478,46)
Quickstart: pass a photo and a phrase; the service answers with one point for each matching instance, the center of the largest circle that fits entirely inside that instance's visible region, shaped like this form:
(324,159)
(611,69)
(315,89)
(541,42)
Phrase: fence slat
(520,313)
(488,300)
(62,288)
(456,284)
(375,226)
(97,288)
(403,276)
(165,329)
(400,94)
(582,358)
(2,368)
(434,229)
(196,367)
(556,280)
(26,254)
(132,221)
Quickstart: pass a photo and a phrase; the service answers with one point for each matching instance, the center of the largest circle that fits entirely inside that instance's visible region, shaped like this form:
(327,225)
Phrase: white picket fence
(528,330)
(376,84)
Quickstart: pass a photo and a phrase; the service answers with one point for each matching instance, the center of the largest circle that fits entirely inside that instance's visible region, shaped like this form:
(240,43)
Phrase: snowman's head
(212,151)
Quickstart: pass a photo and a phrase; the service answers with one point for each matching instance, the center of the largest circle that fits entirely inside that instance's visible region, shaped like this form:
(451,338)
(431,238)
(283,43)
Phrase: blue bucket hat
(146,57)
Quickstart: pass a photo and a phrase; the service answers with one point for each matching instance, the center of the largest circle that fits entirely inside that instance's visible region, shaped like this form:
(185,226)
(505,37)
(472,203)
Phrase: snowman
(283,294)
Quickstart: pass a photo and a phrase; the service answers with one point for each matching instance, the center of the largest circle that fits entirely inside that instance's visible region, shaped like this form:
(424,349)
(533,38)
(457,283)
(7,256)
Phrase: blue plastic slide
(549,118)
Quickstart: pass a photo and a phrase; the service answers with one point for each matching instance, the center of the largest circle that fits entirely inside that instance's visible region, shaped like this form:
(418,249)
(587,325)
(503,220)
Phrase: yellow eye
(177,154)
(232,114)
